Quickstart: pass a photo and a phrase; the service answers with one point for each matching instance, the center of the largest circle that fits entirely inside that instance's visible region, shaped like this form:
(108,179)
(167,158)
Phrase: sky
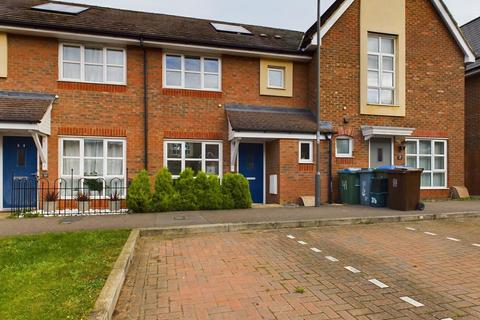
(292,14)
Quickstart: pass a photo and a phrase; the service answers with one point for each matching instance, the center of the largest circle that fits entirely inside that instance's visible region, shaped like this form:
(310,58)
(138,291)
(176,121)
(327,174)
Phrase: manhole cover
(179,218)
(69,220)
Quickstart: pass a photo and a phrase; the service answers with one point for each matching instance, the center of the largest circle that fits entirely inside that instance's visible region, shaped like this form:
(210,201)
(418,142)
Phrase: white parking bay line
(302,242)
(411,229)
(316,250)
(352,269)
(412,302)
(331,258)
(453,239)
(430,233)
(290,236)
(476,245)
(379,284)
(448,319)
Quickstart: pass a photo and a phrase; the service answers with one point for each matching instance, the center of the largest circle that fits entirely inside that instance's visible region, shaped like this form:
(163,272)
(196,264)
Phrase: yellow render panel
(3,55)
(287,66)
(383,17)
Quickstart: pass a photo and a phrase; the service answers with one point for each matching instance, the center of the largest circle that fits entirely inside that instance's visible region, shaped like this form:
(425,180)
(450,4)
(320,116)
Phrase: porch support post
(42,150)
(234,154)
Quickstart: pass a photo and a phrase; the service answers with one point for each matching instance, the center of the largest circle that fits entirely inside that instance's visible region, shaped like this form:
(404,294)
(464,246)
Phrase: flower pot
(50,206)
(115,205)
(83,206)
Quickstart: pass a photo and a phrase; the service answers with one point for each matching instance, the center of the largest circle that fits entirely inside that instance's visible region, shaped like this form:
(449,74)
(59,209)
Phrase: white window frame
(82,63)
(203,159)
(380,69)
(433,155)
(350,147)
(183,71)
(310,146)
(82,159)
(282,70)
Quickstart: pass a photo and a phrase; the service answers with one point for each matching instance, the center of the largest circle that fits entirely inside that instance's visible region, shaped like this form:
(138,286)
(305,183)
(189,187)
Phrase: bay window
(197,155)
(192,72)
(381,69)
(92,64)
(431,156)
(84,160)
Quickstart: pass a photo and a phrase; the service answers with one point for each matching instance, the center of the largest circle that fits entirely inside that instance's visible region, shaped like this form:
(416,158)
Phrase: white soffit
(373,131)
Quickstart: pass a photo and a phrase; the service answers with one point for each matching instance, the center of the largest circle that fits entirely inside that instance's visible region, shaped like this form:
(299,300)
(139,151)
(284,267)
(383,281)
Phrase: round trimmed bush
(139,194)
(208,192)
(236,192)
(185,198)
(164,192)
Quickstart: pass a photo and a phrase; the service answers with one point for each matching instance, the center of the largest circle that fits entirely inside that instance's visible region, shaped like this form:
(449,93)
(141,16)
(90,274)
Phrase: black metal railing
(68,196)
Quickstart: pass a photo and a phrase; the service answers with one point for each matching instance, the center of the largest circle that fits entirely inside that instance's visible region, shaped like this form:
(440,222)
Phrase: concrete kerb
(106,302)
(235,227)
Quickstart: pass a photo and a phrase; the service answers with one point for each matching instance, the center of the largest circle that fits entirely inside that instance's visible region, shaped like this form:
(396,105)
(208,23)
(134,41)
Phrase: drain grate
(69,220)
(179,218)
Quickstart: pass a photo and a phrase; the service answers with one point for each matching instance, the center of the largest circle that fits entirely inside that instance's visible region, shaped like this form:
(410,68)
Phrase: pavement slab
(9,227)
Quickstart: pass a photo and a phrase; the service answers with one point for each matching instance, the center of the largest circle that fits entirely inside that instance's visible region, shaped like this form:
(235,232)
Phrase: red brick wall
(108,110)
(472,134)
(435,99)
(435,86)
(272,161)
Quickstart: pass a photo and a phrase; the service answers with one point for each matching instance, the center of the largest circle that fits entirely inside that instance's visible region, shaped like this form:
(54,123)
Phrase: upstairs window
(91,64)
(381,70)
(276,78)
(192,72)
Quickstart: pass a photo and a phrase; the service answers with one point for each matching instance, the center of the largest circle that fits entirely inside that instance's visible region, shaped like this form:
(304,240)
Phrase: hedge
(188,192)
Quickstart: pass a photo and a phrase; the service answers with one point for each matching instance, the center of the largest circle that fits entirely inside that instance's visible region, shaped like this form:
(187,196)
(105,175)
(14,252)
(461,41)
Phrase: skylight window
(60,8)
(221,27)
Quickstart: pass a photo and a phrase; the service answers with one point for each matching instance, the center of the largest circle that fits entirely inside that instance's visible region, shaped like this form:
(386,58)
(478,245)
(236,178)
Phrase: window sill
(277,88)
(344,157)
(435,188)
(192,93)
(383,105)
(86,86)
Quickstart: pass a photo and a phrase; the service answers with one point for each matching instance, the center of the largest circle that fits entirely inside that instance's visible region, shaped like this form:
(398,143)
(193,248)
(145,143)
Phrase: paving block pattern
(267,275)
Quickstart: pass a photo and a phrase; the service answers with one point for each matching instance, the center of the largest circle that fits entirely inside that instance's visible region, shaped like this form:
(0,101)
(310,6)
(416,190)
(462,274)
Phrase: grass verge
(55,276)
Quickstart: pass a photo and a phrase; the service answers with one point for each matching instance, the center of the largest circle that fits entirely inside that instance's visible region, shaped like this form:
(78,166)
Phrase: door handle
(251,178)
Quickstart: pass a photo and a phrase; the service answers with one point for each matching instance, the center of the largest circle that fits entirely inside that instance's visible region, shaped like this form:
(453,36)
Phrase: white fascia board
(371,131)
(273,135)
(68,36)
(331,21)
(44,126)
(439,6)
(455,30)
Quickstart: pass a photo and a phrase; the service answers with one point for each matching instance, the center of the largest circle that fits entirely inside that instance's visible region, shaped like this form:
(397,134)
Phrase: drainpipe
(330,168)
(145,102)
(318,173)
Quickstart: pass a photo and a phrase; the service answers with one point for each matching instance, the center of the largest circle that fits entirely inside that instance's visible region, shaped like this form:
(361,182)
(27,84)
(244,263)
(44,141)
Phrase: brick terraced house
(88,92)
(472,110)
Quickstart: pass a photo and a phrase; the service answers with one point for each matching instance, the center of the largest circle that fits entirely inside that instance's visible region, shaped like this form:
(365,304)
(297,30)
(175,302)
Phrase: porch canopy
(260,123)
(385,132)
(23,113)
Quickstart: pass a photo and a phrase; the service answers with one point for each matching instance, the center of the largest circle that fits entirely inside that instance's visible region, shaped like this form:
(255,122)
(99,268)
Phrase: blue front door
(251,166)
(19,169)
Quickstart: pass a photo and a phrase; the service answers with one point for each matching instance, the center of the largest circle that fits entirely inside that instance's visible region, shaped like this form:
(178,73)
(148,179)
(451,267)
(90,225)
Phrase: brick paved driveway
(271,275)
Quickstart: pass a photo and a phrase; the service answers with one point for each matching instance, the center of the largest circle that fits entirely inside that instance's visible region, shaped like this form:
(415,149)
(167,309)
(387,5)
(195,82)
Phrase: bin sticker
(395,182)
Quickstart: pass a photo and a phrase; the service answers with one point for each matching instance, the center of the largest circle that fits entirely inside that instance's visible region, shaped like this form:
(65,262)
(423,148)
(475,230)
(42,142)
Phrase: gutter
(168,44)
(145,103)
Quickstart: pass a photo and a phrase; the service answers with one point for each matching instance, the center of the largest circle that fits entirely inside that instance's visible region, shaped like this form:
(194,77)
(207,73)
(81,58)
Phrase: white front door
(380,152)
